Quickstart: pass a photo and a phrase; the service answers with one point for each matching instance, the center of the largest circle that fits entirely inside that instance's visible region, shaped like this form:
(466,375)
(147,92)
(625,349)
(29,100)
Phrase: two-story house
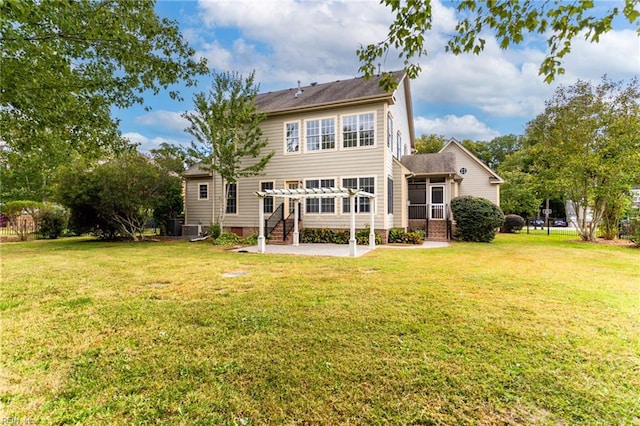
(343,134)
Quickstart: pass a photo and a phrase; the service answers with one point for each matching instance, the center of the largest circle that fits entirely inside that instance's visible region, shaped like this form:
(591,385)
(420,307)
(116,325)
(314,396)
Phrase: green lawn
(525,330)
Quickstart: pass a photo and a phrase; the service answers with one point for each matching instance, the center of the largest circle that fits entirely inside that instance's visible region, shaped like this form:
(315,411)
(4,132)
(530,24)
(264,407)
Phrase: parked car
(537,222)
(560,222)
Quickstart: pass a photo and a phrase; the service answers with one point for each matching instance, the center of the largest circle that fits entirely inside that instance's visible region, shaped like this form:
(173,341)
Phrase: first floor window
(320,205)
(363,204)
(203,191)
(292,137)
(357,130)
(268,201)
(232,198)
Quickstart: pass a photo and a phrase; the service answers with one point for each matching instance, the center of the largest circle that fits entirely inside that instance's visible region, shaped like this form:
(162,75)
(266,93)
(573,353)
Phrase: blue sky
(466,97)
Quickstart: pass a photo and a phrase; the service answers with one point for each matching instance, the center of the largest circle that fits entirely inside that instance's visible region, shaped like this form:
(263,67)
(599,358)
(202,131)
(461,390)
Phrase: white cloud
(459,127)
(146,144)
(169,120)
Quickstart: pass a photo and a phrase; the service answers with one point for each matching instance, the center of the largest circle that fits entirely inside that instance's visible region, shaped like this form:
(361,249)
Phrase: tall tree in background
(429,144)
(508,20)
(65,65)
(226,127)
(172,157)
(586,146)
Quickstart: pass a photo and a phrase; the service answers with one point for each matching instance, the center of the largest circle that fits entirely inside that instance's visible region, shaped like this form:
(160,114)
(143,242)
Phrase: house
(345,134)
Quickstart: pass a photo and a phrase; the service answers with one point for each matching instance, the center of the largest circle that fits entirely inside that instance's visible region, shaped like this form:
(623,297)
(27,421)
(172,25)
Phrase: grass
(525,330)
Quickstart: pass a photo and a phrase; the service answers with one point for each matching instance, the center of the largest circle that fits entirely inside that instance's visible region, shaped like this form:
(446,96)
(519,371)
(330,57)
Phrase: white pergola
(302,193)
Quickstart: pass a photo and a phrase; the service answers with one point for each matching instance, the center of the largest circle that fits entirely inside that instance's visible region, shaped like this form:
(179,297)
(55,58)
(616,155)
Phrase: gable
(466,158)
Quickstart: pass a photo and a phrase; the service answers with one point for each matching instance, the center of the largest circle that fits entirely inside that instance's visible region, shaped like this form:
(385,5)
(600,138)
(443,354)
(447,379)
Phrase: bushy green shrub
(215,230)
(512,223)
(228,239)
(362,237)
(634,231)
(397,235)
(329,236)
(51,220)
(476,218)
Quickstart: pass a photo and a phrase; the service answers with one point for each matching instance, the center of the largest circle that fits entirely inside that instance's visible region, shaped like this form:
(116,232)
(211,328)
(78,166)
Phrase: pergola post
(352,238)
(296,234)
(261,240)
(372,225)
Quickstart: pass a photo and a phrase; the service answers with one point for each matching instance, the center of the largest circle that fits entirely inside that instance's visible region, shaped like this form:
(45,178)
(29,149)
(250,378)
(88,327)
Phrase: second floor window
(321,134)
(358,130)
(292,137)
(390,131)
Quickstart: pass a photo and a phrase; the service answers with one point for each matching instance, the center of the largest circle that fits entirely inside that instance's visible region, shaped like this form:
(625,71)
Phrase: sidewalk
(338,250)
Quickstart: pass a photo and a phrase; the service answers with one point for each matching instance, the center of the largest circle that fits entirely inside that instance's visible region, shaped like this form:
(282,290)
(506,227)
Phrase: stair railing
(272,221)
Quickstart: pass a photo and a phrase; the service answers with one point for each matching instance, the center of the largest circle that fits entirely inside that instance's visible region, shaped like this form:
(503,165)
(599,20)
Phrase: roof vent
(299,92)
(314,83)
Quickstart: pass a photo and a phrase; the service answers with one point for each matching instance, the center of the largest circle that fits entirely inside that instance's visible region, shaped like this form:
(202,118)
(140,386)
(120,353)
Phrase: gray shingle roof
(324,94)
(431,164)
(196,170)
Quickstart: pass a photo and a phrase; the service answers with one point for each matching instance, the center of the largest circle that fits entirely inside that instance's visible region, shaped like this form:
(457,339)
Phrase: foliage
(512,223)
(508,20)
(91,56)
(613,212)
(117,197)
(585,147)
(429,144)
(21,214)
(215,230)
(51,220)
(634,231)
(232,239)
(170,203)
(171,157)
(518,194)
(476,218)
(335,236)
(325,235)
(398,235)
(226,127)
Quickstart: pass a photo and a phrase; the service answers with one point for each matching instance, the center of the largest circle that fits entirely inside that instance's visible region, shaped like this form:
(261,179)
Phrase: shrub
(397,235)
(215,230)
(52,220)
(634,231)
(329,236)
(476,218)
(228,239)
(512,223)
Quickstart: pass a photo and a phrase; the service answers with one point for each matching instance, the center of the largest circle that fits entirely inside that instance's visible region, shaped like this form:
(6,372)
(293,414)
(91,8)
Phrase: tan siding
(337,164)
(476,181)
(400,196)
(198,211)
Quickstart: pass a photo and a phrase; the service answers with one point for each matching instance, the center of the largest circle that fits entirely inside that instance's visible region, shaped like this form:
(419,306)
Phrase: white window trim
(237,202)
(337,134)
(375,192)
(320,214)
(301,138)
(200,198)
(273,183)
(375,131)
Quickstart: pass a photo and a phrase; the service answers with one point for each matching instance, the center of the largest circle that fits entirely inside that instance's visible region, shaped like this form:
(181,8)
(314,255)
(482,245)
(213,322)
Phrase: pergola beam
(299,193)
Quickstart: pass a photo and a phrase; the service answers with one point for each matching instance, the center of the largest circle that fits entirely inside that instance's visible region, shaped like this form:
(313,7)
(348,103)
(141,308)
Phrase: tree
(428,144)
(171,157)
(585,146)
(226,127)
(117,197)
(508,20)
(518,195)
(66,64)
